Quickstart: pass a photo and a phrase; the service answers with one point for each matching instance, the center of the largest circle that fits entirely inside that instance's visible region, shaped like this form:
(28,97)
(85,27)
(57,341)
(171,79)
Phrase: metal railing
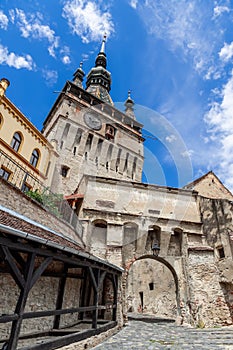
(21,178)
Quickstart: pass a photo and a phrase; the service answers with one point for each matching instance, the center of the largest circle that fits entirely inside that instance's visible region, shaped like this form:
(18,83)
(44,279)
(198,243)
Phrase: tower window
(64,171)
(89,143)
(109,132)
(16,141)
(34,157)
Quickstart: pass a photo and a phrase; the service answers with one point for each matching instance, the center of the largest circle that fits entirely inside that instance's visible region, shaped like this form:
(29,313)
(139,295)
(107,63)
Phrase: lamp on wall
(155,248)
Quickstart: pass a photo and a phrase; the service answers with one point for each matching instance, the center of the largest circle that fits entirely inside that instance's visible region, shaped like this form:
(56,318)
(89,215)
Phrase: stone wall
(207,304)
(12,198)
(42,297)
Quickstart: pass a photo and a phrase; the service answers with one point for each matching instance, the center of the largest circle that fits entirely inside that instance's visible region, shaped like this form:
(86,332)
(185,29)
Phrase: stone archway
(152,288)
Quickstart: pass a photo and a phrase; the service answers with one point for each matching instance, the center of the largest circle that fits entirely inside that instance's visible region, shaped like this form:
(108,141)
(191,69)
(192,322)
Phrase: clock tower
(91,136)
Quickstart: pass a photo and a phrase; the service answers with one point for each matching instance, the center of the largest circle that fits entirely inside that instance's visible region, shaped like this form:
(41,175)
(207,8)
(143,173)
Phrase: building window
(151,286)
(5,174)
(34,158)
(221,253)
(16,141)
(109,132)
(26,187)
(64,171)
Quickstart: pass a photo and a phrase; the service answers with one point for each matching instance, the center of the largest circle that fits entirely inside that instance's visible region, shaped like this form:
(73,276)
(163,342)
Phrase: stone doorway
(152,289)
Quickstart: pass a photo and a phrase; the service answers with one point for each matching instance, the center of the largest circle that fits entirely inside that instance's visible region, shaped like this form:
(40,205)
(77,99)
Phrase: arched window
(16,141)
(34,157)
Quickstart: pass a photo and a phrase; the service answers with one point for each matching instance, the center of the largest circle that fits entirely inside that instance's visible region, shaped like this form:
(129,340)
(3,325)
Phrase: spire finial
(103,43)
(81,64)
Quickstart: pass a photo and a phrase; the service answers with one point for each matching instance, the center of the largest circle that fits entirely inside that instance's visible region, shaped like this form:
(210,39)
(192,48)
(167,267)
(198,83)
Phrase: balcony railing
(21,178)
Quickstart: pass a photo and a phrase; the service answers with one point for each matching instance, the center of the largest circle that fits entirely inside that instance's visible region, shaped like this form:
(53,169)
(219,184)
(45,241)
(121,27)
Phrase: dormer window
(109,132)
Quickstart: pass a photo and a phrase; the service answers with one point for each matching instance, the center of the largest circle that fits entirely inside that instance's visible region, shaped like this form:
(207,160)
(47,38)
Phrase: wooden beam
(16,273)
(115,286)
(45,313)
(83,292)
(70,338)
(74,261)
(60,296)
(19,259)
(101,281)
(40,270)
(93,279)
(96,277)
(19,310)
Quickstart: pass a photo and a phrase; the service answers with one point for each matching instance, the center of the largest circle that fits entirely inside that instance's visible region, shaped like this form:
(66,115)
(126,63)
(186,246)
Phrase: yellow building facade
(27,158)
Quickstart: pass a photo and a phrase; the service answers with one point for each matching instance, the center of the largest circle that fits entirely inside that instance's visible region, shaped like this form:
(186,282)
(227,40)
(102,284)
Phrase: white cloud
(226,52)
(187,153)
(31,27)
(3,20)
(220,125)
(187,29)
(66,59)
(219,10)
(133,3)
(12,60)
(170,138)
(88,19)
(50,76)
(65,55)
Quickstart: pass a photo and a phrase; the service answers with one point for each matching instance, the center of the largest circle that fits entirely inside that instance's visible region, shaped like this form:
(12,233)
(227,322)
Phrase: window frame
(34,160)
(16,141)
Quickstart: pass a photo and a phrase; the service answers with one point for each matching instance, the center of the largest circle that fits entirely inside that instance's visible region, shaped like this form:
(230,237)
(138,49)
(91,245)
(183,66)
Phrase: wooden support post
(83,301)
(115,286)
(16,325)
(60,295)
(95,281)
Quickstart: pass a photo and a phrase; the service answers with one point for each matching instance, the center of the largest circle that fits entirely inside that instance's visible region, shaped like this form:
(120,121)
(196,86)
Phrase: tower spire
(101,60)
(102,50)
(99,79)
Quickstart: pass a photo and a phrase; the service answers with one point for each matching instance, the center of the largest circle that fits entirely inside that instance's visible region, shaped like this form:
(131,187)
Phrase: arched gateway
(152,287)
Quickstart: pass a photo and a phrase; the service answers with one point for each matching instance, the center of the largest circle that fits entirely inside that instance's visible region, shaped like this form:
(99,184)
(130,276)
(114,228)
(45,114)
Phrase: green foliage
(50,201)
(35,195)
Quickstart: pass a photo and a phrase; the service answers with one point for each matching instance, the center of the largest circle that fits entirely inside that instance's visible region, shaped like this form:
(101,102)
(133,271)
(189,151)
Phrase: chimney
(4,83)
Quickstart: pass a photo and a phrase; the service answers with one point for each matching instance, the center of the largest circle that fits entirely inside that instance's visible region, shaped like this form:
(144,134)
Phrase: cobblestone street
(151,336)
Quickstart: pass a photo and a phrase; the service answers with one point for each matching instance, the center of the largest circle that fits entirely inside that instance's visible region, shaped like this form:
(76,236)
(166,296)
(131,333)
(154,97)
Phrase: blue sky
(175,56)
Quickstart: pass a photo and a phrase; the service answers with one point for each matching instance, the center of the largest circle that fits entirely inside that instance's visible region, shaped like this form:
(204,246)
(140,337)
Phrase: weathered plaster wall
(207,305)
(218,227)
(136,214)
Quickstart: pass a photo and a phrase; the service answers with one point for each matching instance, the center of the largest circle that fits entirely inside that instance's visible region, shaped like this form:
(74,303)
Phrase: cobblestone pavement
(152,336)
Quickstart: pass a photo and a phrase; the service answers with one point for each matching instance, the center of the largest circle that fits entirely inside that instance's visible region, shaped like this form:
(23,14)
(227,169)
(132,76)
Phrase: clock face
(92,120)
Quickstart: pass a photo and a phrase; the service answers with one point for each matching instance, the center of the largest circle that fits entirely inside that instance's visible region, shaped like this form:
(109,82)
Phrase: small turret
(129,106)
(79,75)
(4,83)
